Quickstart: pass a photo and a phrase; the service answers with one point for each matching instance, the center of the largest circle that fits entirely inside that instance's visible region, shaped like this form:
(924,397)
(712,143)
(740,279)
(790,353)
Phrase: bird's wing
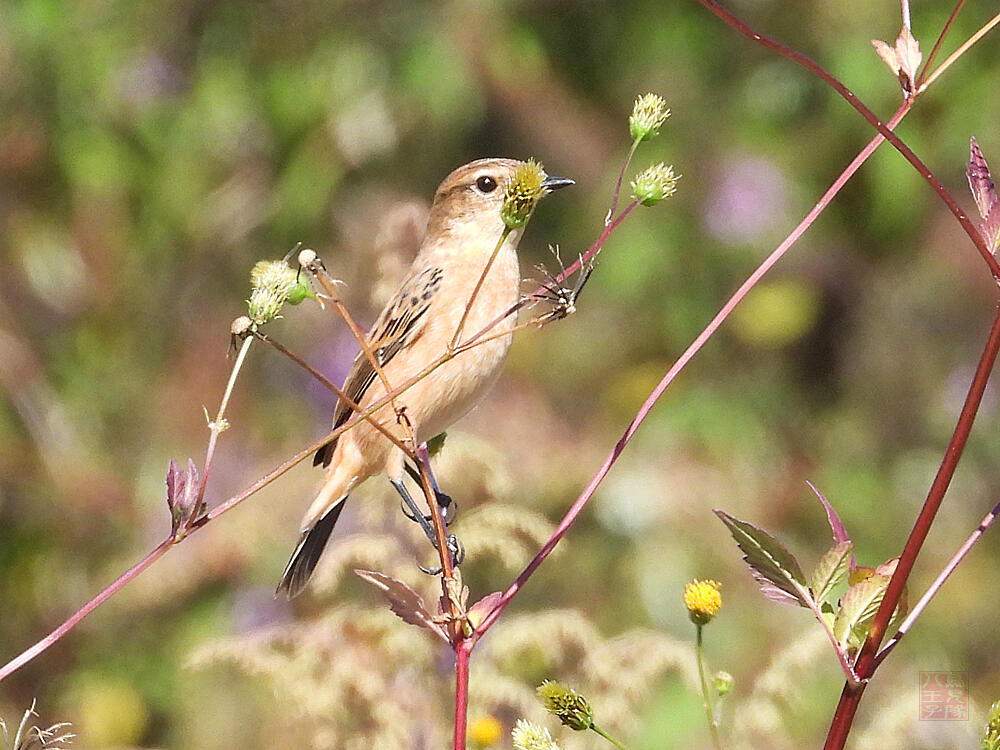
(400,324)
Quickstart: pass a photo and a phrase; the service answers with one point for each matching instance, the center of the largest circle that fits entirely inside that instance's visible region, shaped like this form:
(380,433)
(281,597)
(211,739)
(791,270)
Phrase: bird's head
(488,194)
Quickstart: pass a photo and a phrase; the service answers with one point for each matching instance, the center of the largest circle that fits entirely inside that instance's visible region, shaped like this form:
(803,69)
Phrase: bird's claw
(455,549)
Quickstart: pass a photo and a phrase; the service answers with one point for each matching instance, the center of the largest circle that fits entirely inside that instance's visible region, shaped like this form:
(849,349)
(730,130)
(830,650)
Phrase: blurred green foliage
(150,153)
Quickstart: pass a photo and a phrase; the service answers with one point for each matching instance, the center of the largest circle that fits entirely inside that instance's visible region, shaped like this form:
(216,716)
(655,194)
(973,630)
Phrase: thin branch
(938,42)
(217,425)
(865,665)
(580,503)
(402,445)
(931,592)
(479,285)
(319,272)
(621,179)
(985,29)
(119,583)
(864,111)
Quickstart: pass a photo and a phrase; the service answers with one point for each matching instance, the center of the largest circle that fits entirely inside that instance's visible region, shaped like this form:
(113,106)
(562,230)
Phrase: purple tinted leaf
(836,526)
(772,592)
(478,611)
(404,602)
(768,560)
(989,228)
(980,182)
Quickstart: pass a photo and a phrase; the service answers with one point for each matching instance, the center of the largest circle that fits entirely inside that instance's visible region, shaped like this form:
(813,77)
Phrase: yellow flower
(703,600)
(485,731)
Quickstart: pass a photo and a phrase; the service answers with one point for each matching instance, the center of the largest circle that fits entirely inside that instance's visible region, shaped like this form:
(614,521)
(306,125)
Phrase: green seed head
(648,115)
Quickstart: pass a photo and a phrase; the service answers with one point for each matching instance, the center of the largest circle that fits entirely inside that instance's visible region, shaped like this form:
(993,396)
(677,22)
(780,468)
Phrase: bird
(417,326)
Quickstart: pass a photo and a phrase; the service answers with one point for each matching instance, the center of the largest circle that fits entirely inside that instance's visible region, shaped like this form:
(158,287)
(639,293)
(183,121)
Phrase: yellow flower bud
(568,705)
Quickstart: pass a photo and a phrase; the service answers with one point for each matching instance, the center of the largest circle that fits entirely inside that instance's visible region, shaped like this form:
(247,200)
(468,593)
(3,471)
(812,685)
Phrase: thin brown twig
(479,285)
(938,42)
(402,445)
(963,48)
(319,273)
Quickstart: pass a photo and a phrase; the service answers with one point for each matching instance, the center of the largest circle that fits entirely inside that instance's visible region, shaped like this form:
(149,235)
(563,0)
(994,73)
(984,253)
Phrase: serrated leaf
(836,525)
(831,570)
(405,603)
(770,563)
(857,607)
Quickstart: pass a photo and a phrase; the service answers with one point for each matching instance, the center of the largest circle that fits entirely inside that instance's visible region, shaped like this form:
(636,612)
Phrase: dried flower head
(485,731)
(703,600)
(528,736)
(274,283)
(522,193)
(654,184)
(648,114)
(35,738)
(568,705)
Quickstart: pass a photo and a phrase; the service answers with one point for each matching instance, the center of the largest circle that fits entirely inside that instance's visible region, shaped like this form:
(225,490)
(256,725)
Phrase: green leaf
(775,569)
(831,570)
(857,607)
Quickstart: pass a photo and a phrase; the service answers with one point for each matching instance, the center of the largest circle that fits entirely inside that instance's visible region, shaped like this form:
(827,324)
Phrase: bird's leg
(449,508)
(455,547)
(414,515)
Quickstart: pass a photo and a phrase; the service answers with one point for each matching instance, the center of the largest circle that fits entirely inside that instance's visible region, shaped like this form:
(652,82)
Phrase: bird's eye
(486,184)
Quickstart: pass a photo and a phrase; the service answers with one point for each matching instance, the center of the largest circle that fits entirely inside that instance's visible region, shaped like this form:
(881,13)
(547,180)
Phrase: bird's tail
(307,553)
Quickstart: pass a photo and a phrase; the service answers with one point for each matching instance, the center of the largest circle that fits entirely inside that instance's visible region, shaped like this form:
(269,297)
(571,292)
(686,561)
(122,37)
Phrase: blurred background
(151,152)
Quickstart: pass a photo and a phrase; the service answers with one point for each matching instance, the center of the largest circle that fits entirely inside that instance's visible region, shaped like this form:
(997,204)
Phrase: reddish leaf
(773,567)
(405,603)
(478,611)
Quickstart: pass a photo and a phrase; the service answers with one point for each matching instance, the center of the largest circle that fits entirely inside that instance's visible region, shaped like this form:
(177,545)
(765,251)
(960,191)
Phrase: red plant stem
(462,651)
(937,44)
(816,69)
(931,592)
(851,696)
(19,661)
(577,507)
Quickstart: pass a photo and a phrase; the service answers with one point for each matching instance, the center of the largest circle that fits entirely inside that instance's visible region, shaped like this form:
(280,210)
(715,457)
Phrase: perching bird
(415,328)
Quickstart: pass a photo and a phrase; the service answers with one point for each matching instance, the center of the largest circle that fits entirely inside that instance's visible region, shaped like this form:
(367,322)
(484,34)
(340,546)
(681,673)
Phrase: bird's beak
(554,183)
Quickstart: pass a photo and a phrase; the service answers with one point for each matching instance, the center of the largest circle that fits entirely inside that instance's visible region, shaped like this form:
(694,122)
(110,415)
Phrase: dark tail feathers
(307,553)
